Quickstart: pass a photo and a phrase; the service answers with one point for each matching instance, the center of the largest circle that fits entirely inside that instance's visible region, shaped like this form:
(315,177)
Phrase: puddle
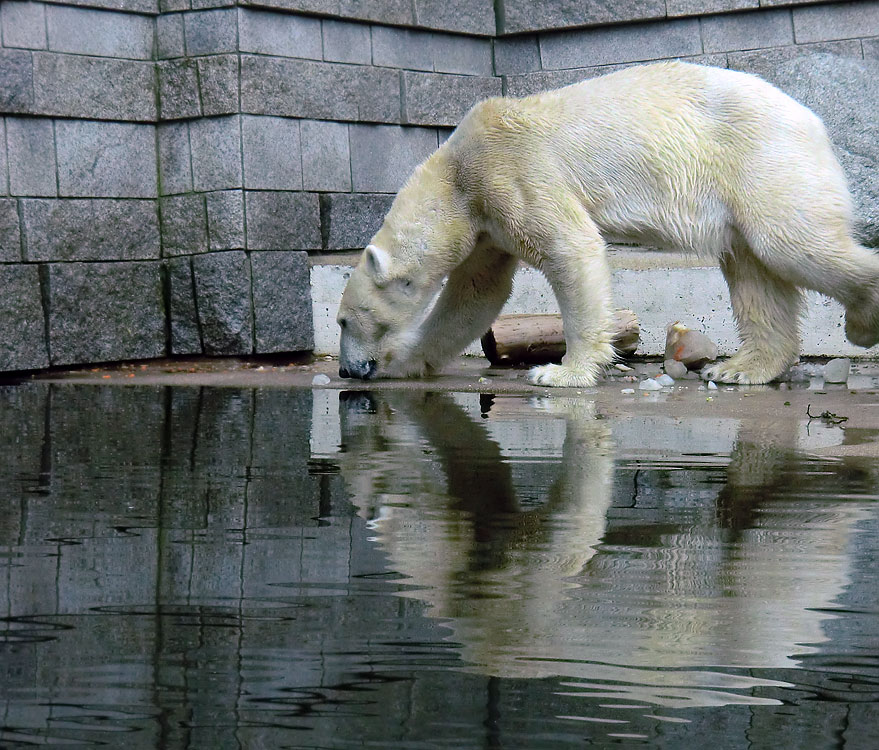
(213,568)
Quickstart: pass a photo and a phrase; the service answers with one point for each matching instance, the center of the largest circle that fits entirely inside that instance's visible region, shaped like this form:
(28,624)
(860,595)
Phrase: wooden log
(539,339)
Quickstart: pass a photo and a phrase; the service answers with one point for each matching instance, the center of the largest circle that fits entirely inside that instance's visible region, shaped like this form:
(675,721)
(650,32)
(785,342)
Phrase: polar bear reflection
(502,543)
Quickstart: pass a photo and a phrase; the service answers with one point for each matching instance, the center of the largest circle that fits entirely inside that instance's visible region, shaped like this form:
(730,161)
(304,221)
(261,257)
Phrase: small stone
(665,380)
(649,385)
(622,368)
(691,348)
(627,391)
(837,370)
(675,369)
(712,386)
(320,379)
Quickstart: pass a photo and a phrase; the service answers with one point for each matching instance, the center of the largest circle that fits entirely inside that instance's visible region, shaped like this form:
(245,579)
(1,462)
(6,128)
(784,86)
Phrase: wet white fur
(703,159)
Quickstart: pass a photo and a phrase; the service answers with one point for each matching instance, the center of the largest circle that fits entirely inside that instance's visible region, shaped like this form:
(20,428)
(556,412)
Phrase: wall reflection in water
(215,568)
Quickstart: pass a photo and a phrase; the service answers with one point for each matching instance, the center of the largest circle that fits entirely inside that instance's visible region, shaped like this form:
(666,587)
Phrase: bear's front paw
(561,376)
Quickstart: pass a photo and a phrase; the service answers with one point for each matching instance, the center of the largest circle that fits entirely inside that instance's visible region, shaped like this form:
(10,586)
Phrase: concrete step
(661,287)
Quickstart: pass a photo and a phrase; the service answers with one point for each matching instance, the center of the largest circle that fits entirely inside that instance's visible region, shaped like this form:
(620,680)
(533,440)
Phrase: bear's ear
(378,263)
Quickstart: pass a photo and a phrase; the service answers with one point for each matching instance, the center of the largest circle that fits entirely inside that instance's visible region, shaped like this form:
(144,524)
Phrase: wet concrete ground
(855,405)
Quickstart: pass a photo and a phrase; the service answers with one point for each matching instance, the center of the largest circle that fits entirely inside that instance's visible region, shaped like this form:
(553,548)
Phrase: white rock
(622,368)
(712,386)
(320,379)
(837,370)
(675,369)
(649,385)
(665,380)
(627,390)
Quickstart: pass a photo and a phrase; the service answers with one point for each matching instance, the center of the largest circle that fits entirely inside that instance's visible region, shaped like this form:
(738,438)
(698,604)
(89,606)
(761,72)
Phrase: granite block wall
(169,169)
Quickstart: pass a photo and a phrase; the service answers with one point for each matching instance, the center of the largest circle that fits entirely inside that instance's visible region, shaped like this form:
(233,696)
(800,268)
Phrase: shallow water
(258,568)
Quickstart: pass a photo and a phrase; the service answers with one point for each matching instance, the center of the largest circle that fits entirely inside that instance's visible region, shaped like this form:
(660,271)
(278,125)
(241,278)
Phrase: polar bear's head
(379,315)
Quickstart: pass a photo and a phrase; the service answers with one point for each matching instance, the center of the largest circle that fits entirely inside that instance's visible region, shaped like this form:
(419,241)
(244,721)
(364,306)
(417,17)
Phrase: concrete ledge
(660,287)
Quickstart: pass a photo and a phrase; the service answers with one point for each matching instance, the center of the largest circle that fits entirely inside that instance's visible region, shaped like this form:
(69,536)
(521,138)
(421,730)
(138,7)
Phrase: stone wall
(169,168)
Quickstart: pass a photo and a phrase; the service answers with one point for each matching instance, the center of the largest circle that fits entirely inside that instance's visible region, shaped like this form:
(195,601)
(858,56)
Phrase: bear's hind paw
(734,373)
(560,376)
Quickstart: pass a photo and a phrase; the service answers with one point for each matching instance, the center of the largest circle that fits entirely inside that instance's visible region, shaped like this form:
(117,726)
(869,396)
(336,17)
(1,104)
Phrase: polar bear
(675,155)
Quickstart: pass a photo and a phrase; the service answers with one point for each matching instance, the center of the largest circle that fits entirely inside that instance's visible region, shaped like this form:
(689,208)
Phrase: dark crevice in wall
(165,276)
(45,291)
(499,16)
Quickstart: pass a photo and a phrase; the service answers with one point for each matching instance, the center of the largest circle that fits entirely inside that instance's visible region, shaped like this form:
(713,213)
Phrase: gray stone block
(462,54)
(516,55)
(23,24)
(331,91)
(272,154)
(106,159)
(326,159)
(203,4)
(346,42)
(178,89)
(169,36)
(547,80)
(269,33)
(617,44)
(94,87)
(850,20)
(223,301)
(764,62)
(101,312)
(393,12)
(16,81)
(350,220)
(218,80)
(94,32)
(131,6)
(282,221)
(383,157)
(281,302)
(225,220)
(10,234)
(525,15)
(441,99)
(175,168)
(90,229)
(402,48)
(180,285)
(31,155)
(704,7)
(22,326)
(209,32)
(871,49)
(184,224)
(169,6)
(216,153)
(741,31)
(466,16)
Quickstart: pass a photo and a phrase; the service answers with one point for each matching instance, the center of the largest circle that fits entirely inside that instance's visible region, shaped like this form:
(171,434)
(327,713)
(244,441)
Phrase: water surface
(272,568)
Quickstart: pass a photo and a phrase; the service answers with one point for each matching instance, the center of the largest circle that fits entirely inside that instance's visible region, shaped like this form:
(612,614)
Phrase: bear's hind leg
(767,310)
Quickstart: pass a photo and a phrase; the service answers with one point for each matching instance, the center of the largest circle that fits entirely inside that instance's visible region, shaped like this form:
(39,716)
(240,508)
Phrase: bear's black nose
(343,373)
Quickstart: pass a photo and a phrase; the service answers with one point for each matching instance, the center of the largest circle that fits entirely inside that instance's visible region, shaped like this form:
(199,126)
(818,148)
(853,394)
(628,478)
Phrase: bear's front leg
(473,296)
(579,275)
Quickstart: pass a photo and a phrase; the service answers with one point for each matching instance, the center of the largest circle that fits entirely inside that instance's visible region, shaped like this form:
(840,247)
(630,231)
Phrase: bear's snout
(361,370)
